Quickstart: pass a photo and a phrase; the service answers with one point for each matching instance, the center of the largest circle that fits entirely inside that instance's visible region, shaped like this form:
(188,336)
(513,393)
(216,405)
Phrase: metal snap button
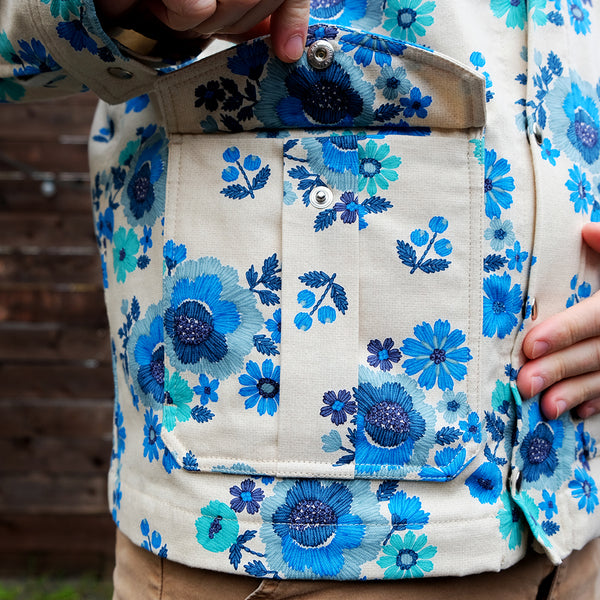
(119,73)
(321,197)
(534,309)
(320,54)
(538,134)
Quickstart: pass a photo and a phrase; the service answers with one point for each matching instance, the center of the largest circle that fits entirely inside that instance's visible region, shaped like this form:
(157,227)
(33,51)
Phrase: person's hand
(286,20)
(564,353)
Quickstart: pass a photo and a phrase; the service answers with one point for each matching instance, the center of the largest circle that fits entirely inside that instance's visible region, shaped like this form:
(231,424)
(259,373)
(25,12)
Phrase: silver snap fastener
(321,197)
(119,73)
(538,134)
(320,54)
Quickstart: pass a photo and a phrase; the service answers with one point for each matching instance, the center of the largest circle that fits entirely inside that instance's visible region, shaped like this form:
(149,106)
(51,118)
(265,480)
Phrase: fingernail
(539,349)
(586,411)
(537,385)
(561,407)
(294,47)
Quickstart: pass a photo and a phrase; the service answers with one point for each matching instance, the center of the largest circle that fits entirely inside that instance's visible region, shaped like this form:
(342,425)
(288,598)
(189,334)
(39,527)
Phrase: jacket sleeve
(52,48)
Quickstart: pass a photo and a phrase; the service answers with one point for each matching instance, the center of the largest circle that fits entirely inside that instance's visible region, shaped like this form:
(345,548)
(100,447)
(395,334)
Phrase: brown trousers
(140,575)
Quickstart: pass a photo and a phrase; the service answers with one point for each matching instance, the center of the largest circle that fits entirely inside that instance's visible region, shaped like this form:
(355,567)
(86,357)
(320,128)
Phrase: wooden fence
(55,368)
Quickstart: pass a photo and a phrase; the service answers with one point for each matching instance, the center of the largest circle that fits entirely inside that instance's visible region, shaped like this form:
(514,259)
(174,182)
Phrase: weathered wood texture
(55,367)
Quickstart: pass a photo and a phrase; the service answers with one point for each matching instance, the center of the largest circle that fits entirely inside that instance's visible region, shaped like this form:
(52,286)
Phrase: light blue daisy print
(408,19)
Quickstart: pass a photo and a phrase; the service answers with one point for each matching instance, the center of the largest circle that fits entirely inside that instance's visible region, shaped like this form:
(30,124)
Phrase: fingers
(591,235)
(289,24)
(564,329)
(581,393)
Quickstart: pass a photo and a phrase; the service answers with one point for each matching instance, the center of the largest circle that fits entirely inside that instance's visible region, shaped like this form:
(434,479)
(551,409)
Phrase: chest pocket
(322,290)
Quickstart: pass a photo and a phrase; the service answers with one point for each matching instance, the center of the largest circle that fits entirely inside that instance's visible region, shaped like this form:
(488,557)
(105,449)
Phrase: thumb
(591,235)
(289,24)
(113,9)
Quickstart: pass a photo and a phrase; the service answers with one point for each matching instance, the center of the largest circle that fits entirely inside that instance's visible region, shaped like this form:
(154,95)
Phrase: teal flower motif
(532,514)
(376,168)
(515,11)
(217,529)
(393,82)
(178,395)
(512,524)
(64,8)
(10,90)
(407,19)
(407,557)
(315,528)
(126,246)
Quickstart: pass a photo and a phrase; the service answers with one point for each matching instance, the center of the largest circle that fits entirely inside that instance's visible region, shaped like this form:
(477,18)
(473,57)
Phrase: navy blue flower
(34,59)
(394,425)
(246,497)
(299,96)
(338,406)
(383,355)
(350,208)
(415,104)
(368,46)
(438,354)
(210,320)
(317,528)
(209,95)
(76,34)
(485,483)
(249,59)
(500,305)
(321,32)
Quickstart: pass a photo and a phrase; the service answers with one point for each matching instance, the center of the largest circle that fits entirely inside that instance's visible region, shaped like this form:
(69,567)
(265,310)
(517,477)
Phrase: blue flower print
(296,95)
(289,195)
(338,406)
(315,528)
(178,395)
(437,354)
(586,446)
(306,298)
(146,239)
(207,389)
(471,428)
(516,257)
(574,120)
(496,185)
(64,8)
(210,320)
(393,82)
(543,451)
(583,488)
(325,32)
(209,95)
(231,173)
(406,513)
(152,440)
(350,208)
(394,426)
(579,17)
(485,483)
(415,104)
(382,355)
(76,34)
(449,462)
(146,353)
(453,406)
(32,59)
(145,182)
(500,305)
(10,90)
(173,255)
(512,524)
(249,59)
(376,168)
(548,505)
(531,513)
(584,290)
(407,557)
(137,104)
(274,326)
(334,157)
(153,542)
(407,19)
(515,11)
(419,237)
(246,496)
(217,529)
(360,14)
(580,188)
(548,152)
(261,388)
(120,434)
(368,45)
(126,247)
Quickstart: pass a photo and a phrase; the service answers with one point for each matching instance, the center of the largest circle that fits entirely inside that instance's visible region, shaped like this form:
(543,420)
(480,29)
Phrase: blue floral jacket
(318,277)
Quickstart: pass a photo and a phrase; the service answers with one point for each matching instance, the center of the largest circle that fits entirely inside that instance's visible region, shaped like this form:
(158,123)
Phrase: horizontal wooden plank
(55,381)
(36,493)
(51,268)
(54,455)
(48,120)
(38,304)
(25,196)
(71,419)
(57,533)
(46,230)
(53,343)
(45,155)
(31,565)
